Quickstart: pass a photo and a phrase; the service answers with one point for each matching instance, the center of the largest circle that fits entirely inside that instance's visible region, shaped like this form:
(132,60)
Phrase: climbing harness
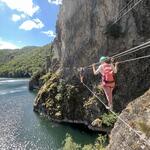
(108,74)
(136,132)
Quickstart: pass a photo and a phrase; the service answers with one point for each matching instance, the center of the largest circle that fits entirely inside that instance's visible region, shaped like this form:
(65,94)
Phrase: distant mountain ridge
(23,62)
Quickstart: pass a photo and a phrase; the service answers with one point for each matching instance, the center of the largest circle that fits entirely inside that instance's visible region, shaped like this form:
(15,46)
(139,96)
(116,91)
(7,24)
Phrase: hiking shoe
(111,108)
(107,107)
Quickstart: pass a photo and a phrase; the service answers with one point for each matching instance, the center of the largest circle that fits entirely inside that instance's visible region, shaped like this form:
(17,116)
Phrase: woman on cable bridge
(107,70)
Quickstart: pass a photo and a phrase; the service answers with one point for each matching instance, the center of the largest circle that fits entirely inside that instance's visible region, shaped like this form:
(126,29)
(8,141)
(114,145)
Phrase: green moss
(55,77)
(52,86)
(70,92)
(49,103)
(99,90)
(59,97)
(60,87)
(46,77)
(145,128)
(90,102)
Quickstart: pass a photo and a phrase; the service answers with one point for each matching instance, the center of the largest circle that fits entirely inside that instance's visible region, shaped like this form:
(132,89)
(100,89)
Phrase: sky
(27,22)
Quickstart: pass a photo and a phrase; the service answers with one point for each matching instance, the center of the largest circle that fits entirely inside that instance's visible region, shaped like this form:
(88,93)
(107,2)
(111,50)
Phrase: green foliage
(46,77)
(69,144)
(61,87)
(23,62)
(100,142)
(70,91)
(88,147)
(109,119)
(58,97)
(114,30)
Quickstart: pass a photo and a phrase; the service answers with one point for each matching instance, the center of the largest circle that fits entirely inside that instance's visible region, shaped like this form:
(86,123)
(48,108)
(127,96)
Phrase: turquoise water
(22,129)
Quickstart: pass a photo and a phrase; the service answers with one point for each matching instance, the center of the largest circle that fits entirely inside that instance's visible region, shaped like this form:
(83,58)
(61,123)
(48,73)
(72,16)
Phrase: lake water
(22,129)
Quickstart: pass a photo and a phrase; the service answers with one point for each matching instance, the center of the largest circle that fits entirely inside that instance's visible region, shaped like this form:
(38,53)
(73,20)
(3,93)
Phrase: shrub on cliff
(109,119)
(69,144)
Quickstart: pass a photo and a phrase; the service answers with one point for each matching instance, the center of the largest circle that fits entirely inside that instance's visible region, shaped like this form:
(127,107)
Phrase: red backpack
(108,74)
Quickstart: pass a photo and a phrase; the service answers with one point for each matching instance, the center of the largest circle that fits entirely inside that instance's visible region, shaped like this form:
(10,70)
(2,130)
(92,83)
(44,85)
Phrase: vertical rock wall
(82,39)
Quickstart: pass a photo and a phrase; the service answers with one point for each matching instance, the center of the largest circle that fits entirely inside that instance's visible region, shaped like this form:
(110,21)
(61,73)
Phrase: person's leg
(111,96)
(112,93)
(81,78)
(108,93)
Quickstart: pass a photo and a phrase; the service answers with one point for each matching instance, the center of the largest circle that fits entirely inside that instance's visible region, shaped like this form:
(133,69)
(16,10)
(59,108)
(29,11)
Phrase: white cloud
(23,15)
(49,33)
(16,17)
(7,45)
(56,2)
(25,6)
(31,24)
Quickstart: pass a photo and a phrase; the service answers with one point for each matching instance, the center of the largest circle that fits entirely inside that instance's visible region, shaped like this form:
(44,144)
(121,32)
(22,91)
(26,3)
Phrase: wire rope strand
(146,142)
(135,4)
(139,47)
(129,51)
(138,58)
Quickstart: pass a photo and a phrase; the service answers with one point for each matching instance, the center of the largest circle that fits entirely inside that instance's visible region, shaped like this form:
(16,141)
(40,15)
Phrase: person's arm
(95,71)
(115,67)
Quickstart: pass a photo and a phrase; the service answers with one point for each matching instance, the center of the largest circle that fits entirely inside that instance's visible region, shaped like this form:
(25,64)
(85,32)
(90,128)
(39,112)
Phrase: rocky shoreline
(85,124)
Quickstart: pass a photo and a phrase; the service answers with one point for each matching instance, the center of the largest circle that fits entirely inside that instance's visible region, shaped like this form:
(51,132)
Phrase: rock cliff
(137,115)
(83,35)
(81,39)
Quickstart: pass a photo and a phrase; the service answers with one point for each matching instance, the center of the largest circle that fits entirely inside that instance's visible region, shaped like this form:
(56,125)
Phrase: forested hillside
(23,62)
